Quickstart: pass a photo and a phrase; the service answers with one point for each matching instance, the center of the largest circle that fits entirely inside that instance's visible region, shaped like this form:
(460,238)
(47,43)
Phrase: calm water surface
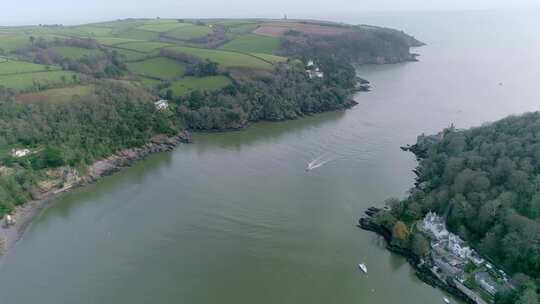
(234,218)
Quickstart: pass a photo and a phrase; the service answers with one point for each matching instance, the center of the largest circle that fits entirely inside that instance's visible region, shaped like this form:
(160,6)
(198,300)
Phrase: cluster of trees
(359,45)
(486,182)
(194,65)
(285,93)
(77,133)
(103,64)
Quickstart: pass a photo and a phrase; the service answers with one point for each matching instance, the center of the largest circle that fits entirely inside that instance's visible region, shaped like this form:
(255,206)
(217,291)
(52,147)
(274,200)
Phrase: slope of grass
(159,67)
(114,40)
(26,81)
(56,95)
(138,34)
(162,27)
(189,31)
(128,54)
(188,84)
(244,28)
(270,58)
(14,67)
(146,46)
(11,43)
(252,43)
(73,52)
(86,31)
(225,59)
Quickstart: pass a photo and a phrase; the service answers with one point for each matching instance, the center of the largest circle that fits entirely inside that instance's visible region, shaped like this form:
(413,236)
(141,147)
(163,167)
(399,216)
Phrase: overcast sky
(66,11)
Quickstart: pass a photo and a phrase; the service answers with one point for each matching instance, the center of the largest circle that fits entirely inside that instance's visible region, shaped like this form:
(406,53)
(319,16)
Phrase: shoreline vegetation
(24,215)
(471,223)
(77,97)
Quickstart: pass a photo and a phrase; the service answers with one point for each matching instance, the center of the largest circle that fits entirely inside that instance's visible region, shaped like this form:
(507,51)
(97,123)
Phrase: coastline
(423,273)
(25,214)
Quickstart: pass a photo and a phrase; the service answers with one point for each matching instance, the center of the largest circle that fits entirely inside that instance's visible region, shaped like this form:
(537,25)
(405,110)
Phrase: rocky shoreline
(26,213)
(422,272)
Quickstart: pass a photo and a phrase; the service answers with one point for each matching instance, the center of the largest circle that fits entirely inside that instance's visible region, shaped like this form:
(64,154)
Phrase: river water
(235,218)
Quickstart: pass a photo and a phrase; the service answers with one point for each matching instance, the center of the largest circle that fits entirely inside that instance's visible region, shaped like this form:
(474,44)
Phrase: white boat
(446,300)
(363,267)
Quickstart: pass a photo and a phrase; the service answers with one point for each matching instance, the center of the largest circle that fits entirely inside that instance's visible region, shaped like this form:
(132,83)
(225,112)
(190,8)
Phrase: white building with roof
(161,105)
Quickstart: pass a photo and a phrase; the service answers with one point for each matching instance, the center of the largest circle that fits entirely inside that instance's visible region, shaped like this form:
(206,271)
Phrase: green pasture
(158,67)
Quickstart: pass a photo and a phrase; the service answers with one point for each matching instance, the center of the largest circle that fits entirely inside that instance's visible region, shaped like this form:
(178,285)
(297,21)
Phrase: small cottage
(161,105)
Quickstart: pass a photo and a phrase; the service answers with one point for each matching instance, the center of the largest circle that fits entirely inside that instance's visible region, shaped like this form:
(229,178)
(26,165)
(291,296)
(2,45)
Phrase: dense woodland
(76,134)
(285,93)
(486,183)
(364,44)
(120,112)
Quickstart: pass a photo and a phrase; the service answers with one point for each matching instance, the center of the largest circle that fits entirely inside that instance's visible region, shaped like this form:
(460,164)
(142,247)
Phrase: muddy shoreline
(25,214)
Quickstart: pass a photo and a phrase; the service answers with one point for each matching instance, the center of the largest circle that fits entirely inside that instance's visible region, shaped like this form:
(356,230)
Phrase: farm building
(161,105)
(20,152)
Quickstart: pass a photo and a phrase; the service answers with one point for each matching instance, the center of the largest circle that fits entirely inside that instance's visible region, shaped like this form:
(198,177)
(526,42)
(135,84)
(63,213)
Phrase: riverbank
(26,213)
(423,272)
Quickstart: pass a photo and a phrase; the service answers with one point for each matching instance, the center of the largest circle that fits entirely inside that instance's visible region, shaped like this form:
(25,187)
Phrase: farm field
(73,52)
(146,47)
(86,31)
(188,84)
(225,59)
(252,43)
(66,94)
(244,28)
(114,40)
(162,26)
(270,58)
(10,43)
(26,81)
(158,67)
(138,42)
(128,54)
(17,67)
(138,34)
(189,31)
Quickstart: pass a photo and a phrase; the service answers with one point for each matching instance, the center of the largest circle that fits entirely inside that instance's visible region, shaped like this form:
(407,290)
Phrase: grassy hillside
(251,43)
(226,59)
(77,94)
(158,67)
(189,84)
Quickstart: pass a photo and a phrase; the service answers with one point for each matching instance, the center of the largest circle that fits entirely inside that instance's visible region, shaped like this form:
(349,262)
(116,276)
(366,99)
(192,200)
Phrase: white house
(20,152)
(161,105)
(435,224)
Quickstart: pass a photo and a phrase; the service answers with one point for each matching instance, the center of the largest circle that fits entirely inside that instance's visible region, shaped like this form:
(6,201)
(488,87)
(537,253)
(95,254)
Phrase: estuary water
(235,217)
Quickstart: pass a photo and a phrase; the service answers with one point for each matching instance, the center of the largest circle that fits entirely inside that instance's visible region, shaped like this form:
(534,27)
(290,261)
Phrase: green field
(159,67)
(57,95)
(146,47)
(138,34)
(86,31)
(189,31)
(26,81)
(252,43)
(10,43)
(189,84)
(128,55)
(73,52)
(15,67)
(162,27)
(244,28)
(225,59)
(114,40)
(270,58)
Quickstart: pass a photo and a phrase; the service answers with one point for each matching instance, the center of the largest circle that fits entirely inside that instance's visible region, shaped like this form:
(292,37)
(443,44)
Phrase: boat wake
(318,162)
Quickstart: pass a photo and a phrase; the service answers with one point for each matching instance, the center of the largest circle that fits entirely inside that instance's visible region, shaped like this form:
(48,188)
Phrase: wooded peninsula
(71,96)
